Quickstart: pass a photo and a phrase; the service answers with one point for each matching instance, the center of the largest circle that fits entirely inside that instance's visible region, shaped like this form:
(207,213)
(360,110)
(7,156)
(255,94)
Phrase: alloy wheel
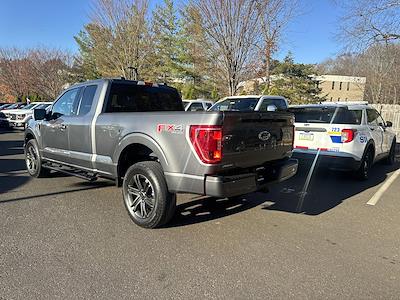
(141,198)
(31,159)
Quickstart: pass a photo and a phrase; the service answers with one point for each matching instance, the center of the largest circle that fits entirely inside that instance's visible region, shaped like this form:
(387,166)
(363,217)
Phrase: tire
(34,161)
(363,171)
(391,159)
(146,196)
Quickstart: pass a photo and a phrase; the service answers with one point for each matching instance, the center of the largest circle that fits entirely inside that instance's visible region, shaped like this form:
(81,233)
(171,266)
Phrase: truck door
(79,129)
(376,130)
(55,130)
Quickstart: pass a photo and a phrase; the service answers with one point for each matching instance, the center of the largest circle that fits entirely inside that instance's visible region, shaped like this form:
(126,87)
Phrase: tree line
(37,73)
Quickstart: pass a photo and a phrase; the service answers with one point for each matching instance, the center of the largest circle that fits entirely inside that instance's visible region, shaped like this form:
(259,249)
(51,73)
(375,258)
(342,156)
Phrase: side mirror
(389,124)
(272,107)
(39,114)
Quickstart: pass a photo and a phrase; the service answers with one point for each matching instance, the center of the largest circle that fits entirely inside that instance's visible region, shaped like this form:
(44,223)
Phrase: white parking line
(375,198)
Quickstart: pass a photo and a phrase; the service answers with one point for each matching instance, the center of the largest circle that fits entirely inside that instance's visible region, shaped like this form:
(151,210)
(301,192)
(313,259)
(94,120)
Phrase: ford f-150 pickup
(138,134)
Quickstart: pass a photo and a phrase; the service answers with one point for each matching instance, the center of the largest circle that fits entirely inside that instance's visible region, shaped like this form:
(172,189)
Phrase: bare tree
(13,71)
(49,71)
(274,16)
(119,36)
(378,63)
(230,28)
(366,22)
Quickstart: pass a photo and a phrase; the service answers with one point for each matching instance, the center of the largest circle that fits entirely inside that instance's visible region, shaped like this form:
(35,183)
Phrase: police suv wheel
(391,159)
(366,163)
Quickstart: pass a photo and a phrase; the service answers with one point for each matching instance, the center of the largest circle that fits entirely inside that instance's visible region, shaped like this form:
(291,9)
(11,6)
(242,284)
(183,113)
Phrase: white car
(251,103)
(197,105)
(19,117)
(347,136)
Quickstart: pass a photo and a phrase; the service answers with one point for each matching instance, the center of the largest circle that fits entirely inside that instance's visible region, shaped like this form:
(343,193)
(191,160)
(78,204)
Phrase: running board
(71,171)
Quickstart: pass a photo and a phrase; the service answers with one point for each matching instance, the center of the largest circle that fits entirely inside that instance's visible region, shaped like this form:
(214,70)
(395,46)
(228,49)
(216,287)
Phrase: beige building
(341,88)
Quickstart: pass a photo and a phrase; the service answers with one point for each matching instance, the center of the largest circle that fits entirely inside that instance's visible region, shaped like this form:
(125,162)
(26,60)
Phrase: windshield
(236,104)
(42,106)
(30,106)
(185,103)
(325,114)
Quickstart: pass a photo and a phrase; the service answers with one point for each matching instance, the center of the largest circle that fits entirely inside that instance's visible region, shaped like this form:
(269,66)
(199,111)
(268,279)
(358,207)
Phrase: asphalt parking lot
(66,238)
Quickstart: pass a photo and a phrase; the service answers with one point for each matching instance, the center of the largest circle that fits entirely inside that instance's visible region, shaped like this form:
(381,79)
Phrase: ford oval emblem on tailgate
(264,135)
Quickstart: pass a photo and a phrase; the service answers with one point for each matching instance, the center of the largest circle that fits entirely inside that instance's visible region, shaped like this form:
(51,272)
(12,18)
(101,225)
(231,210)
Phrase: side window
(196,107)
(372,117)
(87,100)
(208,105)
(66,105)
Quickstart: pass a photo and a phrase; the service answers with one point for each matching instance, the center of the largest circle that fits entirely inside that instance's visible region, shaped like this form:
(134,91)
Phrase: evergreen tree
(85,63)
(166,43)
(294,81)
(194,63)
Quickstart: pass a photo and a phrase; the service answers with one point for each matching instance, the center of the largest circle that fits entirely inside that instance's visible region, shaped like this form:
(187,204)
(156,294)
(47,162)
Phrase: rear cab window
(324,115)
(130,97)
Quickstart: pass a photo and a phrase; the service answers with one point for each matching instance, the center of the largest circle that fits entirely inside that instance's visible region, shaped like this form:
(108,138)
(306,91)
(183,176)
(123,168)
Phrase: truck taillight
(347,135)
(207,141)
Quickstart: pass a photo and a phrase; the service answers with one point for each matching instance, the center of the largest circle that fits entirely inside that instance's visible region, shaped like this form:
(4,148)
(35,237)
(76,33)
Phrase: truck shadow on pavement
(81,186)
(205,208)
(13,172)
(326,190)
(12,169)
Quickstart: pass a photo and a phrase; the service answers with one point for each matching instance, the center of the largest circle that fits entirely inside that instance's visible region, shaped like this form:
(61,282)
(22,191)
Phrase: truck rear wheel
(146,196)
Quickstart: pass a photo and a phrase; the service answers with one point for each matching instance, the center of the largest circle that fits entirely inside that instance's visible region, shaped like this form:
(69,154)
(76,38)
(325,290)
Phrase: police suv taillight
(207,142)
(348,135)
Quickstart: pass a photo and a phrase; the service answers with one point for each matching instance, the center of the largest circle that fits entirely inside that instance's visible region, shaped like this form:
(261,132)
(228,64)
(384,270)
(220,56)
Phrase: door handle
(372,128)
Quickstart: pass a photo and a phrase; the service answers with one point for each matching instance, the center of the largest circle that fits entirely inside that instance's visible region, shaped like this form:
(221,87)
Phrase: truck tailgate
(252,139)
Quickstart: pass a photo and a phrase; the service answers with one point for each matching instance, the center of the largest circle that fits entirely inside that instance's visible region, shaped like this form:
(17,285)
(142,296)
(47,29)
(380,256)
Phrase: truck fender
(140,139)
(29,134)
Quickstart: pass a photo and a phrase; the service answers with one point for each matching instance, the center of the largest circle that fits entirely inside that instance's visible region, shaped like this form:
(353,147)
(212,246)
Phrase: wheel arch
(29,135)
(368,146)
(134,148)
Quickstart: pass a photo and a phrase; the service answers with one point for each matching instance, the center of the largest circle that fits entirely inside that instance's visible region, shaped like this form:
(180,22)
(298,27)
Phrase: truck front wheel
(146,196)
(34,161)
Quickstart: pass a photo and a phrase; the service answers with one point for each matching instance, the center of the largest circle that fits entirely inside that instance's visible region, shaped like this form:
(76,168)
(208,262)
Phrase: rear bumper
(232,185)
(228,186)
(335,162)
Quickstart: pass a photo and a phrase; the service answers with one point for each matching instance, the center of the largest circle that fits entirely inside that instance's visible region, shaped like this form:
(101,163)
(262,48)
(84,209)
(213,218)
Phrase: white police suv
(346,136)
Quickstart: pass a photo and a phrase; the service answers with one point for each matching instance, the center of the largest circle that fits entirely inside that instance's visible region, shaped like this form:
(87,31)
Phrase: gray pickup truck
(139,135)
